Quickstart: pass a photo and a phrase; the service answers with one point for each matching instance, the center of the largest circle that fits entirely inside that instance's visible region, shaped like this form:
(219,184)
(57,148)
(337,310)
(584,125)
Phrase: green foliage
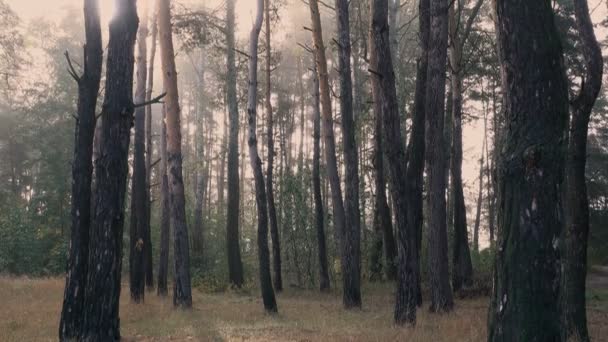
(28,248)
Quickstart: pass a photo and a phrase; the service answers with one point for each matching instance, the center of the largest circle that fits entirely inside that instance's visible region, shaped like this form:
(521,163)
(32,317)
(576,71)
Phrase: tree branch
(154,100)
(71,69)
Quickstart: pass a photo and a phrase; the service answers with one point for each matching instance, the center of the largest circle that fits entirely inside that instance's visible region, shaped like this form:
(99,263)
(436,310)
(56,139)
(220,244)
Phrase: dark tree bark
(235,265)
(394,149)
(272,211)
(441,293)
(182,293)
(416,147)
(82,172)
(350,246)
(102,291)
(149,152)
(576,232)
(383,225)
(316,183)
(270,303)
(139,199)
(165,212)
(331,163)
(524,304)
(462,273)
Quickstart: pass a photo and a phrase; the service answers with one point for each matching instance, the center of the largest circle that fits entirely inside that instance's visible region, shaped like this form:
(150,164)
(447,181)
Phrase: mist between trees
(451,149)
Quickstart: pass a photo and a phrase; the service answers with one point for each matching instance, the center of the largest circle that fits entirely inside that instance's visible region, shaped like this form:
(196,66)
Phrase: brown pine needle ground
(30,312)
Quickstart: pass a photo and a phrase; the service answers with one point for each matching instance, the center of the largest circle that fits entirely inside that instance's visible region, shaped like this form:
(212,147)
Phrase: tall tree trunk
(416,147)
(149,152)
(268,298)
(102,291)
(479,191)
(82,172)
(441,293)
(576,232)
(235,265)
(197,234)
(462,274)
(524,304)
(272,211)
(222,167)
(394,149)
(165,211)
(139,200)
(492,171)
(182,294)
(316,180)
(350,247)
(328,131)
(383,225)
(302,107)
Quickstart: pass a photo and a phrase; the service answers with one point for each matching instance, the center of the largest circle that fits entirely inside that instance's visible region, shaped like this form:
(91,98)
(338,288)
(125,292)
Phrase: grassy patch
(31,311)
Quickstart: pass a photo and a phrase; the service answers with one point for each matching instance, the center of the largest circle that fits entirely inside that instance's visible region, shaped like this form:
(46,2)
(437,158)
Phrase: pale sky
(55,9)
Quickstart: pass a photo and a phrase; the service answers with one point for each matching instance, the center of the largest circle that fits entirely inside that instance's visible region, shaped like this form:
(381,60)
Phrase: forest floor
(30,312)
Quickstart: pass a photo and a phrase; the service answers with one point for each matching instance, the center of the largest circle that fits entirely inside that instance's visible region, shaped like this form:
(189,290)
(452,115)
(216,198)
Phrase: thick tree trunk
(149,152)
(182,294)
(316,180)
(576,232)
(102,292)
(524,304)
(235,265)
(441,293)
(82,172)
(350,246)
(268,298)
(328,132)
(394,149)
(272,211)
(383,223)
(165,212)
(139,200)
(416,147)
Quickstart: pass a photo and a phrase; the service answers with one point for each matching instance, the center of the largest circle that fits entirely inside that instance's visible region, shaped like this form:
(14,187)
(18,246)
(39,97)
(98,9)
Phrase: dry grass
(30,312)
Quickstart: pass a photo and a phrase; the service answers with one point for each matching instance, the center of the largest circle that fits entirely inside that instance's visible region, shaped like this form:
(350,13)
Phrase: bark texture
(462,273)
(350,246)
(327,126)
(272,211)
(270,303)
(102,291)
(576,232)
(441,293)
(182,293)
(383,225)
(139,200)
(416,147)
(82,173)
(235,265)
(405,301)
(316,183)
(524,304)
